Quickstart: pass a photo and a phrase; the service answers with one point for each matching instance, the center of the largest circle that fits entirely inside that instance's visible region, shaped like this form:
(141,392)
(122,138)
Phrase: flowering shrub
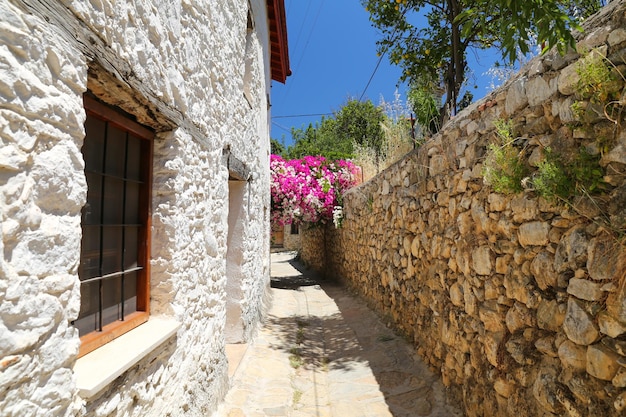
(309,189)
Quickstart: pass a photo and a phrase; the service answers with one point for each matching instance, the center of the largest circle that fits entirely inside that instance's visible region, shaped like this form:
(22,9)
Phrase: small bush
(551,180)
(557,180)
(503,168)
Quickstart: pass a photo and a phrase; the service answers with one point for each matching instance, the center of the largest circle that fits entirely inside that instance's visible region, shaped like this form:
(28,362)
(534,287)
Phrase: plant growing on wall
(599,89)
(309,189)
(503,168)
(556,179)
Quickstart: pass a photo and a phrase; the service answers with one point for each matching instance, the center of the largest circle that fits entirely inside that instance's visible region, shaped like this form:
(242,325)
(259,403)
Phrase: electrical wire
(281,127)
(383,53)
(372,76)
(302,115)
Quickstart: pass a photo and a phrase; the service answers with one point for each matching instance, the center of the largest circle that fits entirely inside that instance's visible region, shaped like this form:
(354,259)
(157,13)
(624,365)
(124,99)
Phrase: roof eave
(279,51)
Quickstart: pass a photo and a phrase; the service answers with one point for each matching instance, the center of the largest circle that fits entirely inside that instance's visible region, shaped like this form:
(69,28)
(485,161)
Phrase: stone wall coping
(99,368)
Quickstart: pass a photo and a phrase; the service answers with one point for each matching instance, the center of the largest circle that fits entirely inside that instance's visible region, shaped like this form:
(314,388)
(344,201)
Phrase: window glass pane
(113,201)
(130,293)
(90,253)
(91,210)
(93,146)
(88,321)
(111,249)
(130,247)
(116,151)
(111,300)
(133,165)
(132,203)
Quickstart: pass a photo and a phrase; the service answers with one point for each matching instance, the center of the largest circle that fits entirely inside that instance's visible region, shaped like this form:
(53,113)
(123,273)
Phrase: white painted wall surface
(187,59)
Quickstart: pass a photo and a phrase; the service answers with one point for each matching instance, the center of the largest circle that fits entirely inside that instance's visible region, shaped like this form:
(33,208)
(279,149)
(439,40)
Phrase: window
(294,228)
(114,261)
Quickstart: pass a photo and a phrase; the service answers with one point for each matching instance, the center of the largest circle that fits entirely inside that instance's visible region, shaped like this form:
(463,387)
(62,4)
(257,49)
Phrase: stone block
(605,258)
(524,208)
(502,264)
(482,260)
(493,320)
(534,233)
(602,362)
(550,315)
(504,387)
(620,402)
(573,356)
(579,325)
(568,79)
(492,344)
(572,249)
(539,90)
(516,97)
(585,289)
(619,380)
(517,286)
(544,390)
(519,317)
(542,269)
(456,295)
(616,37)
(545,345)
(610,326)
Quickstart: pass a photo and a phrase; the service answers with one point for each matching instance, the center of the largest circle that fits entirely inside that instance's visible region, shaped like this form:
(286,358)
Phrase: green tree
(318,139)
(334,137)
(276,147)
(359,122)
(429,39)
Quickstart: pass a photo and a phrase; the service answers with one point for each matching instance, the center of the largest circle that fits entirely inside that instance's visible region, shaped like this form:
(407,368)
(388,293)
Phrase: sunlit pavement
(321,352)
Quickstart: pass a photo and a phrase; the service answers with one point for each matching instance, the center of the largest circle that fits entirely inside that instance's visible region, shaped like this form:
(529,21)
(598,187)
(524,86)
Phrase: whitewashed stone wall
(179,67)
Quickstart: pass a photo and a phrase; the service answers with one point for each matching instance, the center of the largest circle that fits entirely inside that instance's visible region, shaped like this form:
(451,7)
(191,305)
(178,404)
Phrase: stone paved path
(322,353)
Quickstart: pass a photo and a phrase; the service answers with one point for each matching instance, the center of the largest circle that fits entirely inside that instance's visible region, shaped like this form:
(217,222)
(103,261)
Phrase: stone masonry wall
(518,302)
(193,72)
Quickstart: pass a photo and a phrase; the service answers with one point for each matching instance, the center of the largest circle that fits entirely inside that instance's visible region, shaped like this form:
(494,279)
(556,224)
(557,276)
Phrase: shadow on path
(335,333)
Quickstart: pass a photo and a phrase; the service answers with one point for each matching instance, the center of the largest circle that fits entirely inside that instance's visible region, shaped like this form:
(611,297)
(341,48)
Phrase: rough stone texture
(195,74)
(519,302)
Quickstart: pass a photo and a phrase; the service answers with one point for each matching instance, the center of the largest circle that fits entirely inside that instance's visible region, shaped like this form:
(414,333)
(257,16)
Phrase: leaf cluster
(503,168)
(356,122)
(429,39)
(558,179)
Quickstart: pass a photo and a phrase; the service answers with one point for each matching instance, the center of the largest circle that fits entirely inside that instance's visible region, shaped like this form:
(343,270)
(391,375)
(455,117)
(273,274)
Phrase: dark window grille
(114,223)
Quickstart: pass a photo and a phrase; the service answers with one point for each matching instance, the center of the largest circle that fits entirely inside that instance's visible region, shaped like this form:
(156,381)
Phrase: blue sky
(332,51)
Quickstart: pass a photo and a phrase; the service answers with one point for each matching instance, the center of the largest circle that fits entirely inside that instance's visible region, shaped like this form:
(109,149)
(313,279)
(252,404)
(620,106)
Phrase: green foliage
(277,148)
(503,168)
(334,137)
(551,180)
(587,173)
(399,137)
(596,81)
(436,49)
(424,104)
(556,179)
(359,122)
(600,87)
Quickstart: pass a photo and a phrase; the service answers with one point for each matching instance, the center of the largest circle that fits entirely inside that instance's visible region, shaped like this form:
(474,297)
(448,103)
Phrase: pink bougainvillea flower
(308,189)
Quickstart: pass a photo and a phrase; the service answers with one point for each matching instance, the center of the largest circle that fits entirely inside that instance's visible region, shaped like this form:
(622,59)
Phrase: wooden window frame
(95,339)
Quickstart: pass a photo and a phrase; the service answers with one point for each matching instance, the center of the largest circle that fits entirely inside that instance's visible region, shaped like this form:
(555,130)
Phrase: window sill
(99,368)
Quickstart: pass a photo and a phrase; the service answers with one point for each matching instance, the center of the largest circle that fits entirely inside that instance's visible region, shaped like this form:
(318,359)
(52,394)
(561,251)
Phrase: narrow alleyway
(321,353)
